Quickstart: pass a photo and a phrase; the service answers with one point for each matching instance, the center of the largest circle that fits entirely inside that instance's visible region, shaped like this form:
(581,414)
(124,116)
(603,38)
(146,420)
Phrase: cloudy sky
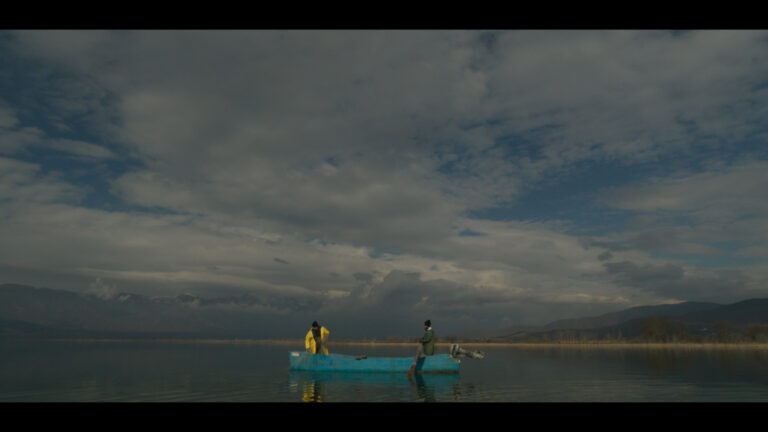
(374,179)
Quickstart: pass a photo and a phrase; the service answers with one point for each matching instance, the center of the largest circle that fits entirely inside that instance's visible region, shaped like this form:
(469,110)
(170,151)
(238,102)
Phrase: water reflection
(663,361)
(678,361)
(40,371)
(428,387)
(371,387)
(313,391)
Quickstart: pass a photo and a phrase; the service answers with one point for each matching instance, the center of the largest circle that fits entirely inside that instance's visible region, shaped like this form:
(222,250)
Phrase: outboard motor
(457,351)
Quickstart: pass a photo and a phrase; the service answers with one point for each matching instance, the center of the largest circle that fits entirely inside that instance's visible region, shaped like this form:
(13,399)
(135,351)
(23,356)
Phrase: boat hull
(439,363)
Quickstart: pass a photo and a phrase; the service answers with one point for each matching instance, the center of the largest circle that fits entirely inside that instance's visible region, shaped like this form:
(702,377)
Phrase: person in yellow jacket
(317,339)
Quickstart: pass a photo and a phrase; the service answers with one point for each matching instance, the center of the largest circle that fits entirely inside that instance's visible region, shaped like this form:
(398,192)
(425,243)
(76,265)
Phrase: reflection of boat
(300,377)
(438,363)
(321,386)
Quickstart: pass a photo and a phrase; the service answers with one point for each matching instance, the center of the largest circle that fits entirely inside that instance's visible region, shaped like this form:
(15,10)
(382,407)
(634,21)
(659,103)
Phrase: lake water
(191,372)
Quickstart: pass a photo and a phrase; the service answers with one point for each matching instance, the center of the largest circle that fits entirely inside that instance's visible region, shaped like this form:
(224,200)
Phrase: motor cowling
(457,351)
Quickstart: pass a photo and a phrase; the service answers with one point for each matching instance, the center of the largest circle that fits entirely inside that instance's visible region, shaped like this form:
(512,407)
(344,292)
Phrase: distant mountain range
(26,310)
(697,317)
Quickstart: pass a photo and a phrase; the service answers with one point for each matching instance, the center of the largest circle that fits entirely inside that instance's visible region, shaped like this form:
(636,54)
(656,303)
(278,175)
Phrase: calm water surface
(188,372)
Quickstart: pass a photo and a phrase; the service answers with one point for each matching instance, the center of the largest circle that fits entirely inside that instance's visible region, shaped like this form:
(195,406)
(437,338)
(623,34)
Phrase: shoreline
(299,343)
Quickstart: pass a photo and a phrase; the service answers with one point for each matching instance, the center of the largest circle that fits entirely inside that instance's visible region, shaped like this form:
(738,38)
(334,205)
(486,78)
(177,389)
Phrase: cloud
(8,117)
(632,274)
(356,157)
(102,289)
(720,210)
(732,188)
(624,93)
(294,99)
(14,139)
(22,181)
(674,282)
(81,149)
(20,138)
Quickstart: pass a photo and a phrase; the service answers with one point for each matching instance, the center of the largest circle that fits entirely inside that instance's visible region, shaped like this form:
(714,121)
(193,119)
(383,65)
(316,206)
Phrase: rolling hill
(26,310)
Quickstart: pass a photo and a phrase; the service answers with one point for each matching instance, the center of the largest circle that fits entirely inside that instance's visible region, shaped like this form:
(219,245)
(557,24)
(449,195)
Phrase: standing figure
(316,340)
(428,340)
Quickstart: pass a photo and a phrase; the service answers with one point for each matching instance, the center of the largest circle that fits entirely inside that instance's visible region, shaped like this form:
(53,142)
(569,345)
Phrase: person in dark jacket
(428,340)
(425,348)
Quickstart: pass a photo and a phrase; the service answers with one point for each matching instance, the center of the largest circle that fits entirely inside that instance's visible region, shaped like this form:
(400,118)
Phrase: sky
(374,179)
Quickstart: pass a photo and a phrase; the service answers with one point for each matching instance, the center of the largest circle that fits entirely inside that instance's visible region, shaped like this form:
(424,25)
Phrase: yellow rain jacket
(309,341)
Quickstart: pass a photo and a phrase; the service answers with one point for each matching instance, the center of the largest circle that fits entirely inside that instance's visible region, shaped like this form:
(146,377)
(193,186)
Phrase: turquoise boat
(438,363)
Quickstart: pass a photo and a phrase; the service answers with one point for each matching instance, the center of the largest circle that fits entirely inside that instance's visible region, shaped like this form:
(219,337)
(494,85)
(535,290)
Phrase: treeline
(652,329)
(657,329)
